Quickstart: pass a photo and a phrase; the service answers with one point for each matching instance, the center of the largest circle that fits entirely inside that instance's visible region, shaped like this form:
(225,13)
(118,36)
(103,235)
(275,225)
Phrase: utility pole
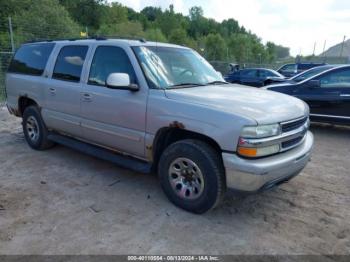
(324,47)
(342,47)
(324,51)
(11,35)
(86,31)
(313,53)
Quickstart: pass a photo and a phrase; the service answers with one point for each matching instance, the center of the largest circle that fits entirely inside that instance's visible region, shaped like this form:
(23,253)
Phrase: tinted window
(266,73)
(336,79)
(289,68)
(31,59)
(69,63)
(249,73)
(107,60)
(312,72)
(307,66)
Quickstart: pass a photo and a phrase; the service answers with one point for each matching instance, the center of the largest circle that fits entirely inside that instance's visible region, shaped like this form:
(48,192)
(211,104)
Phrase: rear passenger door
(113,118)
(62,108)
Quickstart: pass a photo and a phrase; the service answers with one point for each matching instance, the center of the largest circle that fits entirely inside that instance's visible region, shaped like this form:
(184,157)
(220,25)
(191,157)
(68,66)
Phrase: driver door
(113,118)
(330,96)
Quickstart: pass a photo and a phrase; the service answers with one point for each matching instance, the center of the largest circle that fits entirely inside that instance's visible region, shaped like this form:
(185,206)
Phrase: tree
(215,47)
(44,19)
(66,18)
(178,36)
(152,13)
(238,47)
(196,13)
(168,21)
(198,24)
(85,12)
(155,35)
(127,29)
(114,14)
(229,27)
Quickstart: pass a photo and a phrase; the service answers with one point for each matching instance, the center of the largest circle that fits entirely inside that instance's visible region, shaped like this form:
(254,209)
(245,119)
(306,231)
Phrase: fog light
(258,151)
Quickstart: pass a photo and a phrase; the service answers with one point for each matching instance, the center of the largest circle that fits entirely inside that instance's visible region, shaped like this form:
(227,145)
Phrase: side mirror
(313,84)
(121,81)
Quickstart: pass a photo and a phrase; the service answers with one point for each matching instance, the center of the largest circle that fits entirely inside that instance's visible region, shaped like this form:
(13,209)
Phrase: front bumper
(255,174)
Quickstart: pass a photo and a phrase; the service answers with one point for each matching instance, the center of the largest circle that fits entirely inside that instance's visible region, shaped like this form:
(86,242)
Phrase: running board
(105,154)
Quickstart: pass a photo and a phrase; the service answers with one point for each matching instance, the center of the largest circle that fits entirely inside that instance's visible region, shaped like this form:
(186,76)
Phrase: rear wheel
(192,175)
(34,129)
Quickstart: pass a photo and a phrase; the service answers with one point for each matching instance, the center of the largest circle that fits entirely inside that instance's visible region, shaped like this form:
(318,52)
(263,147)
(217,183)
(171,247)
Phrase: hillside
(334,51)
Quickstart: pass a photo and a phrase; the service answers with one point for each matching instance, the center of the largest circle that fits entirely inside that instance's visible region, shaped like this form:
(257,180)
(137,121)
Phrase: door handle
(52,90)
(87,97)
(345,95)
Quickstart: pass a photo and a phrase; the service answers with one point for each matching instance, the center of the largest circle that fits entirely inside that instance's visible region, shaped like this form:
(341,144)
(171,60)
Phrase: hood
(263,106)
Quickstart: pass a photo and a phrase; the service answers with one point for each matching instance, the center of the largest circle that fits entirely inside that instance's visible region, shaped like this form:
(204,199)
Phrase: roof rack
(98,38)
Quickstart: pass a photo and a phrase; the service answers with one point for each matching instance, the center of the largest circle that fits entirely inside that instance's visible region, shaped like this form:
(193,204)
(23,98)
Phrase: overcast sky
(297,24)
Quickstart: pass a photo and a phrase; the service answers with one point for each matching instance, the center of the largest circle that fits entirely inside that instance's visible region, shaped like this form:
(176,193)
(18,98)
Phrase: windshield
(309,73)
(170,67)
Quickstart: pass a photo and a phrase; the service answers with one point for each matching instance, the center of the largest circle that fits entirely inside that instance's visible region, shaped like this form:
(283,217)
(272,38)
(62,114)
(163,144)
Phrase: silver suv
(158,108)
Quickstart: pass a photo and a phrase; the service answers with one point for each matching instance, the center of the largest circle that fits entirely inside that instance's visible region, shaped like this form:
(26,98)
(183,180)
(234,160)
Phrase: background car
(327,94)
(310,73)
(257,77)
(290,70)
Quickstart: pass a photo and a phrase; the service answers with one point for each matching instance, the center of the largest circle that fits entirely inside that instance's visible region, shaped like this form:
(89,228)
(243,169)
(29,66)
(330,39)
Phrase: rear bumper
(254,175)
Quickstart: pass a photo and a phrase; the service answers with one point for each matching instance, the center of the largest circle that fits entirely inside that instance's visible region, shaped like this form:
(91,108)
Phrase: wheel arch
(24,102)
(169,135)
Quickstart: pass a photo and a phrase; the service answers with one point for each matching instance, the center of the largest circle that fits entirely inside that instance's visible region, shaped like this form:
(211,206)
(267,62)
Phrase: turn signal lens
(259,151)
(247,151)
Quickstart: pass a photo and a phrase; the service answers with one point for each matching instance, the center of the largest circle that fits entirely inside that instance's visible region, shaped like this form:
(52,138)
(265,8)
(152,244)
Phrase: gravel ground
(64,202)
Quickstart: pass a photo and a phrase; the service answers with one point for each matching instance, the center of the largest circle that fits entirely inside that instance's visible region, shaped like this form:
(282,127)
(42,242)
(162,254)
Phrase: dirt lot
(64,202)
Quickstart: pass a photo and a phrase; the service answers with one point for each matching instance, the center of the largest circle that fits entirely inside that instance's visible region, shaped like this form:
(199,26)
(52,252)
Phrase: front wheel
(192,175)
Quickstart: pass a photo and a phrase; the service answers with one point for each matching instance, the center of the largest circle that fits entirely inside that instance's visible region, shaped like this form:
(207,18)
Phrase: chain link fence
(14,33)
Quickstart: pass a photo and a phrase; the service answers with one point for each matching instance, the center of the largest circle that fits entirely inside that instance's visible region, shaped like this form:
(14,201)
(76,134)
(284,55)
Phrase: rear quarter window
(31,59)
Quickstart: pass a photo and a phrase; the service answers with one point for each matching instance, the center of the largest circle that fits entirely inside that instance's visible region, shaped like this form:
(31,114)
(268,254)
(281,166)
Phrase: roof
(128,41)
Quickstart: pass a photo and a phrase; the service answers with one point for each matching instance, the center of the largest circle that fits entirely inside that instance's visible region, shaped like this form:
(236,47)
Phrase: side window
(69,63)
(107,60)
(265,73)
(338,79)
(289,68)
(31,59)
(249,73)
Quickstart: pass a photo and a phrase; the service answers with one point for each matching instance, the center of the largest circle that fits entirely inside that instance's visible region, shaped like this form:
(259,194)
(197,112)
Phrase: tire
(34,129)
(197,187)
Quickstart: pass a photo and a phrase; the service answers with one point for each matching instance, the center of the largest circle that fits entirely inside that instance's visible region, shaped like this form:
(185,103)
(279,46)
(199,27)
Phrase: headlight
(248,145)
(260,131)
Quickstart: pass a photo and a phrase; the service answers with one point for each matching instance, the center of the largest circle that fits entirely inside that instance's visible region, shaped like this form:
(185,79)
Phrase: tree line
(224,41)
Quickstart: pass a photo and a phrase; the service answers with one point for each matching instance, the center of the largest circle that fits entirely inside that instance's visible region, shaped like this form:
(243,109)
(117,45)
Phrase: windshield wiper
(217,83)
(185,85)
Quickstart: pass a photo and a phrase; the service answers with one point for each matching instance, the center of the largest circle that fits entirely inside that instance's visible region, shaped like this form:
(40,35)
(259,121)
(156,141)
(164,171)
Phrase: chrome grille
(297,128)
(291,125)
